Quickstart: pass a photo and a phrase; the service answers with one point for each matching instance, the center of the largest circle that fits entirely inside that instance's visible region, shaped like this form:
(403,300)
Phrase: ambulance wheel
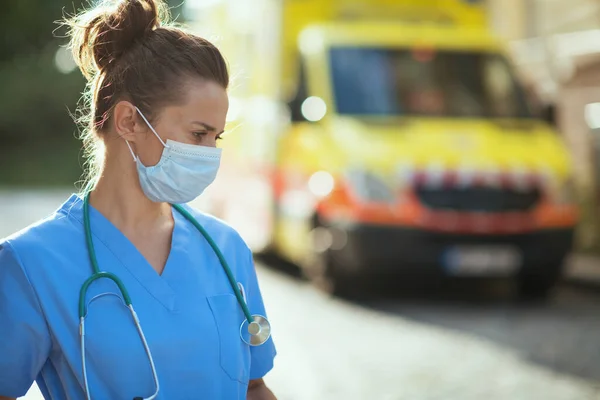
(537,286)
(321,267)
(322,274)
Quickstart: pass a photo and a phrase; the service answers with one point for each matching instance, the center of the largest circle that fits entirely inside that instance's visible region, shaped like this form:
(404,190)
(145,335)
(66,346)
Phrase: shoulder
(57,230)
(30,258)
(223,233)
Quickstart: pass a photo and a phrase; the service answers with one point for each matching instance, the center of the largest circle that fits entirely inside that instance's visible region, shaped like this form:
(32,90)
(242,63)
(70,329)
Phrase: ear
(127,122)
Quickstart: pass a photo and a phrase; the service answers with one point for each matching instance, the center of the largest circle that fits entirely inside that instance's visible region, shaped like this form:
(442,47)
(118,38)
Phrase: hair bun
(101,36)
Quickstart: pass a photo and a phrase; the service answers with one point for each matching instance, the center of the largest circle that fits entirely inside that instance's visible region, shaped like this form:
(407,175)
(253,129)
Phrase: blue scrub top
(189,314)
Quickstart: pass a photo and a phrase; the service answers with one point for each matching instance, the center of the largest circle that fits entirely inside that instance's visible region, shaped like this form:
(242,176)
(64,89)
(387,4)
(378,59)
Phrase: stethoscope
(258,327)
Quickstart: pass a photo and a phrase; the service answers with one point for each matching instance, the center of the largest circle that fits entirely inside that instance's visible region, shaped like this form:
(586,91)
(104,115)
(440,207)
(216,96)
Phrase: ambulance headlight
(321,184)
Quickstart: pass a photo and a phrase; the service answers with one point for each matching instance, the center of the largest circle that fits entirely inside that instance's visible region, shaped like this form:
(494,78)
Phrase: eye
(199,134)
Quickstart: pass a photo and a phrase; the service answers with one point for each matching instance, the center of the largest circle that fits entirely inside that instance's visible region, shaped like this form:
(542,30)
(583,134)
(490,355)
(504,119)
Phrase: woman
(158,103)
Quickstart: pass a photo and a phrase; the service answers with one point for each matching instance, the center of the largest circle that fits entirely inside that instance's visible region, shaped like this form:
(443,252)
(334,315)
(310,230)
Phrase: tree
(37,134)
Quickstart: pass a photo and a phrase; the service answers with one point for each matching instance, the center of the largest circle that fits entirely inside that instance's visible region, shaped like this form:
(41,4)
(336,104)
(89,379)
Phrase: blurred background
(419,180)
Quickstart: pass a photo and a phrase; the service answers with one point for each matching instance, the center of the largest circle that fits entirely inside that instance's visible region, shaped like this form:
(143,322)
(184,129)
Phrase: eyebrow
(206,126)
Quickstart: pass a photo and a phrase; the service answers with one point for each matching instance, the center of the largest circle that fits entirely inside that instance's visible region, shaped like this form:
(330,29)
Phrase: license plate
(482,260)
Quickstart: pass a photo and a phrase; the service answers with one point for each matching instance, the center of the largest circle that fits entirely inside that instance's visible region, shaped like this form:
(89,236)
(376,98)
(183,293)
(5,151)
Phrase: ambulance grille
(479,199)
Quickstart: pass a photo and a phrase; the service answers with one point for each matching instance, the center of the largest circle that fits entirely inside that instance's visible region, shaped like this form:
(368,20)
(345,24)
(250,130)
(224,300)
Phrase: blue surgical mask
(183,172)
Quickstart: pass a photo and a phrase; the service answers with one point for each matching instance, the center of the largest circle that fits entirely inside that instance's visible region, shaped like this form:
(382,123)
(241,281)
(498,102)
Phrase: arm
(24,338)
(257,390)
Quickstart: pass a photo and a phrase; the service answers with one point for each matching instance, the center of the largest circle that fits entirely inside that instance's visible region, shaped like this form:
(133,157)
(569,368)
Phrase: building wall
(532,26)
(509,18)
(519,19)
(561,16)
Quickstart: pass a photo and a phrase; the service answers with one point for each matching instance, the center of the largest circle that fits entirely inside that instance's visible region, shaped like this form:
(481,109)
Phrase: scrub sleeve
(24,338)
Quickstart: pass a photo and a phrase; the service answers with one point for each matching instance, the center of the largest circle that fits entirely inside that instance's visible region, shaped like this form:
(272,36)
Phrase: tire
(321,270)
(538,286)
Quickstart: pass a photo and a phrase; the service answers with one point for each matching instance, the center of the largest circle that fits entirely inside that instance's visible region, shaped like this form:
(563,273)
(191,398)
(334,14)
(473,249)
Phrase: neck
(119,196)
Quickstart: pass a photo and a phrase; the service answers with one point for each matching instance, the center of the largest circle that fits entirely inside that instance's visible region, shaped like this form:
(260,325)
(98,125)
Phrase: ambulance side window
(301,94)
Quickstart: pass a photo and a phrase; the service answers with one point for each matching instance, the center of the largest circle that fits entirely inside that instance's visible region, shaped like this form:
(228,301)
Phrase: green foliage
(38,144)
(37,134)
(27,25)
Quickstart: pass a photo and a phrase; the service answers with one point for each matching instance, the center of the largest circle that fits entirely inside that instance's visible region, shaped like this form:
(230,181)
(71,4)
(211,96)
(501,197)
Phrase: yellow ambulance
(387,139)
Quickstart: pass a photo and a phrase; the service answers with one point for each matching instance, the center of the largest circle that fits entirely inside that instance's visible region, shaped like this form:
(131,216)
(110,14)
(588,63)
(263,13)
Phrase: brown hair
(129,49)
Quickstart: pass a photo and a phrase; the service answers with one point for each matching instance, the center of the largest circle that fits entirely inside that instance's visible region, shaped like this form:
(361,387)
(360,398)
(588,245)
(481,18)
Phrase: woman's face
(198,120)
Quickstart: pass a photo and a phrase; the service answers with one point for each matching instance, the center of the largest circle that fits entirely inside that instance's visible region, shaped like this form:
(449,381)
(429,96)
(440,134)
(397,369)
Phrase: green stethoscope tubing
(97,274)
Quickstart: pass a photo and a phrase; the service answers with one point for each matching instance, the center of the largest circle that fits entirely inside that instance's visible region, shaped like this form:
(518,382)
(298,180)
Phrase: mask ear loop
(131,150)
(153,131)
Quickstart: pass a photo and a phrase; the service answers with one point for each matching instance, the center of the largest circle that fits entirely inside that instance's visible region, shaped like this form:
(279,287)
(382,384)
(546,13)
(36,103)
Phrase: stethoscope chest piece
(256,332)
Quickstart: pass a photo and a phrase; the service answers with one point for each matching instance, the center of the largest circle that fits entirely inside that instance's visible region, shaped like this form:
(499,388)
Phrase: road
(457,345)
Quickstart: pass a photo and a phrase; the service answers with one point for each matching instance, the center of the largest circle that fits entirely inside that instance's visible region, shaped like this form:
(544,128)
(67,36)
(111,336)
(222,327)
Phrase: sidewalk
(583,269)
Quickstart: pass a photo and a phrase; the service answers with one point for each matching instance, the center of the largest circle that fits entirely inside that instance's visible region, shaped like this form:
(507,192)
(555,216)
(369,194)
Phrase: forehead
(203,101)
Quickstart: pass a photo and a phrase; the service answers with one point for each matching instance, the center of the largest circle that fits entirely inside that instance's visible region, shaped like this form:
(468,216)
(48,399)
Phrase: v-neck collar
(123,249)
